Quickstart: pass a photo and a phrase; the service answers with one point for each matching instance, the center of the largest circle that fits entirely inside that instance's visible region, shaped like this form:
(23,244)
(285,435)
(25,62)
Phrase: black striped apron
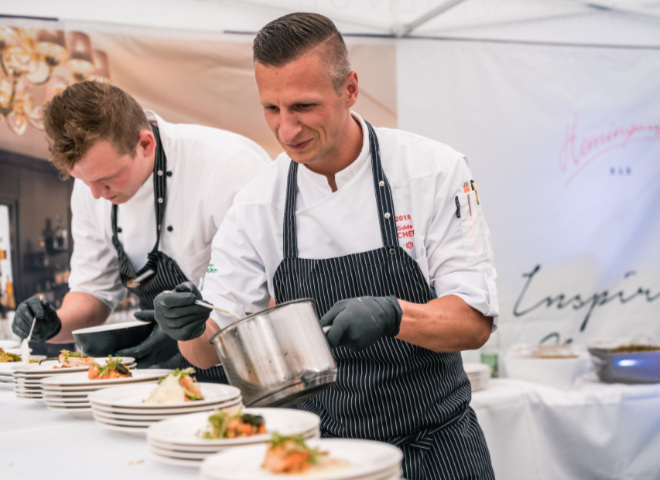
(391,391)
(167,272)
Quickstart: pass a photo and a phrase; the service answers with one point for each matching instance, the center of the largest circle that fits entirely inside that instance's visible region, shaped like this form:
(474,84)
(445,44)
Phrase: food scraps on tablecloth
(69,359)
(222,424)
(178,386)
(114,368)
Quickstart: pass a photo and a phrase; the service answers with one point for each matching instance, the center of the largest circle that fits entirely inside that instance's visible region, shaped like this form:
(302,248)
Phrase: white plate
(80,379)
(141,431)
(133,396)
(161,413)
(208,449)
(68,409)
(367,458)
(52,403)
(48,367)
(7,366)
(80,388)
(175,461)
(183,429)
(63,395)
(125,423)
(179,455)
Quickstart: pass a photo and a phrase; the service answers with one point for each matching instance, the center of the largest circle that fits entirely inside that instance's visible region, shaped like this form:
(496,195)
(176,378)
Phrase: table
(594,431)
(534,432)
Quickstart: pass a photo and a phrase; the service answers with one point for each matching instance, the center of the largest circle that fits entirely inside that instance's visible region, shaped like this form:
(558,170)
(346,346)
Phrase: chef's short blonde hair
(287,38)
(87,112)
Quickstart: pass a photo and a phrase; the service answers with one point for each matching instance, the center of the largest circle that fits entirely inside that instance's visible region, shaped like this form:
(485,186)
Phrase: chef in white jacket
(148,198)
(384,229)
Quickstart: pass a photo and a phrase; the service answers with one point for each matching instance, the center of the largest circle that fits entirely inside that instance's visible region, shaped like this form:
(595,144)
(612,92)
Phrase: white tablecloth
(595,431)
(534,432)
(37,443)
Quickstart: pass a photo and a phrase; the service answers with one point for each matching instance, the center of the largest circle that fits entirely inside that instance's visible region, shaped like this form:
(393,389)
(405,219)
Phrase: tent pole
(610,6)
(407,28)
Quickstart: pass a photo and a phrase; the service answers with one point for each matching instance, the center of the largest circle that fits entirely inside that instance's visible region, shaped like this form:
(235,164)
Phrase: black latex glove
(358,322)
(156,349)
(177,314)
(48,323)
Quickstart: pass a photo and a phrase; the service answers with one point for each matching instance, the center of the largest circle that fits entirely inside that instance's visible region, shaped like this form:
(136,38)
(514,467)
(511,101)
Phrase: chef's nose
(289,127)
(97,189)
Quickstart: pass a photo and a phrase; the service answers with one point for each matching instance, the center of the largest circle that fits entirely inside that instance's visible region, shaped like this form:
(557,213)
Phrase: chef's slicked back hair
(87,112)
(291,36)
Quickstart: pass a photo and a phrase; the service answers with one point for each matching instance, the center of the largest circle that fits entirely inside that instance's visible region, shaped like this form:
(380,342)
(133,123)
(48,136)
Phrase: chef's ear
(147,142)
(351,89)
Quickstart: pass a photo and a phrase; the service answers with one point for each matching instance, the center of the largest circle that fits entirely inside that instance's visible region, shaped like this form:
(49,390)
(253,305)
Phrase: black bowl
(108,339)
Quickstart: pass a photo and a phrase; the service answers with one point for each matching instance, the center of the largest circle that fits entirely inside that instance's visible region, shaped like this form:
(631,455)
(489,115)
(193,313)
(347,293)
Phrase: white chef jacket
(426,177)
(208,166)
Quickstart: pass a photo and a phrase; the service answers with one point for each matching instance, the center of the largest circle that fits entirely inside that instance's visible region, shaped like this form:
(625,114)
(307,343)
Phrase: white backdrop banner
(564,144)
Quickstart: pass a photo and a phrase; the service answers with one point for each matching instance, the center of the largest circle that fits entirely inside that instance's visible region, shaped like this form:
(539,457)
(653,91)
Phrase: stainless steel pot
(277,357)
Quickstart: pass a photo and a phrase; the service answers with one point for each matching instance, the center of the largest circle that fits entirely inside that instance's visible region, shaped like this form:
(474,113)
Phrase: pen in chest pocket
(474,187)
(458,207)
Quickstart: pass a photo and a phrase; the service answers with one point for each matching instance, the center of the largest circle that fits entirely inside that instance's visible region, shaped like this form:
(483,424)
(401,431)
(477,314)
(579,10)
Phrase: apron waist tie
(423,440)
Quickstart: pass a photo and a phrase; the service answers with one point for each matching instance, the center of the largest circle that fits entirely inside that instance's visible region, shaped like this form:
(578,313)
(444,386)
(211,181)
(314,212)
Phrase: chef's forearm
(199,351)
(445,324)
(79,310)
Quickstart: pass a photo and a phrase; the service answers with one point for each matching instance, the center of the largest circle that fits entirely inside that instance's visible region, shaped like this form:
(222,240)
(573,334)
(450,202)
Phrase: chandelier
(37,65)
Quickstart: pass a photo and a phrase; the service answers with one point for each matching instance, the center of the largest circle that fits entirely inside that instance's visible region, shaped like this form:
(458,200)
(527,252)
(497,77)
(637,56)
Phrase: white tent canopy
(569,21)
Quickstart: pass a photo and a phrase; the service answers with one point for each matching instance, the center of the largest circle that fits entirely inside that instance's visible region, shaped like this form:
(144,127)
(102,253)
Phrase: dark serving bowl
(105,340)
(626,367)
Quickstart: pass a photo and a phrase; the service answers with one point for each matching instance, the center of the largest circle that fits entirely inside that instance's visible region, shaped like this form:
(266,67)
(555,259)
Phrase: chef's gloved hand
(177,314)
(156,349)
(48,323)
(359,322)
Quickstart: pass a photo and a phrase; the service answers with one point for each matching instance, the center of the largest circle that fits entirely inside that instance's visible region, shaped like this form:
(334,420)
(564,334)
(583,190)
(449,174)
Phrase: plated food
(178,386)
(113,368)
(320,459)
(290,454)
(222,424)
(69,359)
(8,357)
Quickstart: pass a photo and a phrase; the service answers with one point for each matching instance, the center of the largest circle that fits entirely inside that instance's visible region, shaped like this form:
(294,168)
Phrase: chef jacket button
(119,230)
(381,183)
(169,173)
(160,199)
(387,215)
(159,227)
(169,228)
(392,251)
(160,173)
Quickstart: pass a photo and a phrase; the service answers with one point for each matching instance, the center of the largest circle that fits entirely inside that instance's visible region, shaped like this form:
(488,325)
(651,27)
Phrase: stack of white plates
(70,392)
(357,460)
(123,408)
(27,377)
(478,374)
(6,369)
(176,440)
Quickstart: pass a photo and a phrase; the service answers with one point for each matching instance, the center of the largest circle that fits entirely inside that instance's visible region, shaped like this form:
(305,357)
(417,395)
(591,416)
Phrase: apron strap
(386,215)
(290,240)
(160,194)
(384,201)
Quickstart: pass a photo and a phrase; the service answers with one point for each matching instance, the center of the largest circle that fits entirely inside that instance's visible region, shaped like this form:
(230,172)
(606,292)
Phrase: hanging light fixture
(39,64)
